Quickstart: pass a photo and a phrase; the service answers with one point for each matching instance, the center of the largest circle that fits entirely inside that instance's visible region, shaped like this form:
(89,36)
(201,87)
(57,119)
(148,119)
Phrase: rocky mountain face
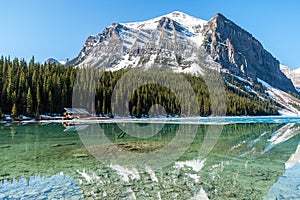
(179,41)
(294,75)
(160,41)
(243,55)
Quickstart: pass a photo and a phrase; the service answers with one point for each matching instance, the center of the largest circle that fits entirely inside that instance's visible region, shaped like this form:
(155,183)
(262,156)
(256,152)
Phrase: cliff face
(97,48)
(239,52)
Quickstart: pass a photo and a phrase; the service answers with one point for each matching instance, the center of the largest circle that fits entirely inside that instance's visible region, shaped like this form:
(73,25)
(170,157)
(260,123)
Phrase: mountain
(294,75)
(187,44)
(158,40)
(170,39)
(52,61)
(56,62)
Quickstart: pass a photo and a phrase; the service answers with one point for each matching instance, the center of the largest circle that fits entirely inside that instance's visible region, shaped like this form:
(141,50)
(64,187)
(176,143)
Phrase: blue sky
(59,28)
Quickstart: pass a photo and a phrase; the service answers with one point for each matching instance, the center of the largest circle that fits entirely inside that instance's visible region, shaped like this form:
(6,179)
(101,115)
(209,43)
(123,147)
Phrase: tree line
(33,89)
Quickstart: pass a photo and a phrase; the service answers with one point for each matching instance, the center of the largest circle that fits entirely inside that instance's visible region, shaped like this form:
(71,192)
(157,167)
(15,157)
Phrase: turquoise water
(235,158)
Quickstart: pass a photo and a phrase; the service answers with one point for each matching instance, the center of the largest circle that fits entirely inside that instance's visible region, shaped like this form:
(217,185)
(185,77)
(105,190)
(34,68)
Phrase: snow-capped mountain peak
(191,23)
(171,39)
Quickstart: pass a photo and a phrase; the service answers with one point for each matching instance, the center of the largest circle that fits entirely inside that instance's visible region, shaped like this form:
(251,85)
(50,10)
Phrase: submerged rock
(59,145)
(80,155)
(5,146)
(55,145)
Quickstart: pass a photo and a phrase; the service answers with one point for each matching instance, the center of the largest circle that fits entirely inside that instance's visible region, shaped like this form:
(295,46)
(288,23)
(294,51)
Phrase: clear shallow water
(242,158)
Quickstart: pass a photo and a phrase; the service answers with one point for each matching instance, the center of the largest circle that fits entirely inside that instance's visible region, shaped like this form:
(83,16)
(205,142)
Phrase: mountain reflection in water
(248,160)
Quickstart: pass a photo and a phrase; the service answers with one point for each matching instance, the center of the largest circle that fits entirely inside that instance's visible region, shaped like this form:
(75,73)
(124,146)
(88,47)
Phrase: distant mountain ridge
(54,61)
(294,75)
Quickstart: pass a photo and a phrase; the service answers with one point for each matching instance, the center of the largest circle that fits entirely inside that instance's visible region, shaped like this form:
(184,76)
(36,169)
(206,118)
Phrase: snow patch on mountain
(194,69)
(288,104)
(125,63)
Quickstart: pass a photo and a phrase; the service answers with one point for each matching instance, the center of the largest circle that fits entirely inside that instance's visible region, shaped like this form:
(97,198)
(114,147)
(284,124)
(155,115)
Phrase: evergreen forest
(33,89)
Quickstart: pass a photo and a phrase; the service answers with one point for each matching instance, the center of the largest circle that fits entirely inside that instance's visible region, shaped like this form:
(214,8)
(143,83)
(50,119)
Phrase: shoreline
(210,120)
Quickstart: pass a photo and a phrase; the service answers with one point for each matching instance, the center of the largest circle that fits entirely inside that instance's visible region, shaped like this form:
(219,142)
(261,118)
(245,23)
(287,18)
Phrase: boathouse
(76,113)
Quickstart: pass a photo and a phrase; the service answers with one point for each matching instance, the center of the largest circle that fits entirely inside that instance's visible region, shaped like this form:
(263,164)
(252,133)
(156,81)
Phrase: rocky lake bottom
(180,161)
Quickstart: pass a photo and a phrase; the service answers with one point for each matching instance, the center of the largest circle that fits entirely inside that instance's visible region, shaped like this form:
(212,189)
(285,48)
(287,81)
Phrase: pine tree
(29,103)
(38,101)
(14,112)
(50,103)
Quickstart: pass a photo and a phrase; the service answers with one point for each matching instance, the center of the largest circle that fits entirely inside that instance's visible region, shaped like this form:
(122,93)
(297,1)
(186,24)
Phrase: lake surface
(203,158)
